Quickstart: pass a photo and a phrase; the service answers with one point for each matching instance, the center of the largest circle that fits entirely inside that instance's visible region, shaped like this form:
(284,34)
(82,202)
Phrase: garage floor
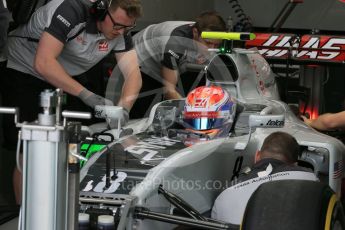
(7,200)
(10,225)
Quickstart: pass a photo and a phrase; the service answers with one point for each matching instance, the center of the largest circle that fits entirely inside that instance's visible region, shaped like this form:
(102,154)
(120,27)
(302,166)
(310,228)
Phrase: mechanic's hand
(91,99)
(113,122)
(306,120)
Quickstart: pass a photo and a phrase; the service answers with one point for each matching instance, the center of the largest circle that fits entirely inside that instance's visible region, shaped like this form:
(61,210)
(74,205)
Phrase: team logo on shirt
(64,20)
(103,45)
(175,55)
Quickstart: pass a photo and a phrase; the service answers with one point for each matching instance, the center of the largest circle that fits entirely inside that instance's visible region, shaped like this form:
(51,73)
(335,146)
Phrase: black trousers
(22,90)
(153,88)
(151,93)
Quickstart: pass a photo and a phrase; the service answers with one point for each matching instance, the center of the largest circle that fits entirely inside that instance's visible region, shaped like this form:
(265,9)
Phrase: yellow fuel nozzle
(243,36)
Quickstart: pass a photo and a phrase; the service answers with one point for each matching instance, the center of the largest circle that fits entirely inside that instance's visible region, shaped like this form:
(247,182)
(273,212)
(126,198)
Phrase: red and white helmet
(208,108)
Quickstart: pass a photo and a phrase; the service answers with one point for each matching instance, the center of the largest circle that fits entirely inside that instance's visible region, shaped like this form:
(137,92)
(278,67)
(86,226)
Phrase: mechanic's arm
(47,65)
(170,78)
(129,66)
(327,121)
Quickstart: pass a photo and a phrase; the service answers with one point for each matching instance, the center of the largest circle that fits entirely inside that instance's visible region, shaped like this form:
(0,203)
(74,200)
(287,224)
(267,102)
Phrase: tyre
(293,205)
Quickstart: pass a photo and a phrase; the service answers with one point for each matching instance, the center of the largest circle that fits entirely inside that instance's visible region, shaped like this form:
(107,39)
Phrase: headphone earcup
(99,9)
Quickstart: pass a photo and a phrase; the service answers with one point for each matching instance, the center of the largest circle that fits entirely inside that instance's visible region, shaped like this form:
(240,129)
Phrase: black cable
(237,167)
(181,204)
(90,144)
(306,102)
(244,23)
(95,137)
(107,168)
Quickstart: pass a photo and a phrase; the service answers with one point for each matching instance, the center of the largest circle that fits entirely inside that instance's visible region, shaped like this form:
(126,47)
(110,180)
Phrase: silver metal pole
(74,132)
(45,197)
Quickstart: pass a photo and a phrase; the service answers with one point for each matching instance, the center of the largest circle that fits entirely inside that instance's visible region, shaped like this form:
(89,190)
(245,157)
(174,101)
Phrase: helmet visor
(204,123)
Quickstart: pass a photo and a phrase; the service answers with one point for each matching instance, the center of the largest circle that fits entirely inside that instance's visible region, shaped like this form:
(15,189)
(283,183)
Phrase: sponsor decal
(211,114)
(275,123)
(101,186)
(288,175)
(175,55)
(63,20)
(306,47)
(99,113)
(321,47)
(103,45)
(338,169)
(200,102)
(149,148)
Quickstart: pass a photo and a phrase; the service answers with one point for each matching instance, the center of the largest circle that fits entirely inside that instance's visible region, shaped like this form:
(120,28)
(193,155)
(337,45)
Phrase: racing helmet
(209,110)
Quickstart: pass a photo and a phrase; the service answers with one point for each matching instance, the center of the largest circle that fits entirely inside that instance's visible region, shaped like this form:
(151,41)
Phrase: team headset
(99,9)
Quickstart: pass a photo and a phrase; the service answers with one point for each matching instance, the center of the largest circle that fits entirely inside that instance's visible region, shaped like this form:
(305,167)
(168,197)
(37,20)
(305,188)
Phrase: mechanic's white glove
(112,114)
(123,119)
(91,99)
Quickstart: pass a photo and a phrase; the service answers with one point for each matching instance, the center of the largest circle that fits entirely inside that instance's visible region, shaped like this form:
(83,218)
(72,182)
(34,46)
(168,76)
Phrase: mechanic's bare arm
(129,66)
(47,65)
(170,77)
(327,121)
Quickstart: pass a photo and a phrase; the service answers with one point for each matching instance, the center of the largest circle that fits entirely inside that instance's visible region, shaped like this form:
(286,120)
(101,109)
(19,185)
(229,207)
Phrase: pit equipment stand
(45,166)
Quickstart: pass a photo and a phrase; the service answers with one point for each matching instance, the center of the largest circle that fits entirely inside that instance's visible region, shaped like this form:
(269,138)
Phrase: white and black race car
(148,175)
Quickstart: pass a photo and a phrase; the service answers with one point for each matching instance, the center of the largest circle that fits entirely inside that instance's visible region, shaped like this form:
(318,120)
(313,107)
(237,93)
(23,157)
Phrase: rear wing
(316,49)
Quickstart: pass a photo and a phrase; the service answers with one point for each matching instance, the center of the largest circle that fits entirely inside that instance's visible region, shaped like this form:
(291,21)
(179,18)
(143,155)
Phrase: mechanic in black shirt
(64,39)
(275,161)
(164,49)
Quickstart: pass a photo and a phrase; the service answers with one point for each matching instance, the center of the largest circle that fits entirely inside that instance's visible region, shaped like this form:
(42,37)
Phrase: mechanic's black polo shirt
(168,44)
(63,20)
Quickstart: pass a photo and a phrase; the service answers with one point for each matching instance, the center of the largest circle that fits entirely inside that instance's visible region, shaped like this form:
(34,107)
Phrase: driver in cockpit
(209,113)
